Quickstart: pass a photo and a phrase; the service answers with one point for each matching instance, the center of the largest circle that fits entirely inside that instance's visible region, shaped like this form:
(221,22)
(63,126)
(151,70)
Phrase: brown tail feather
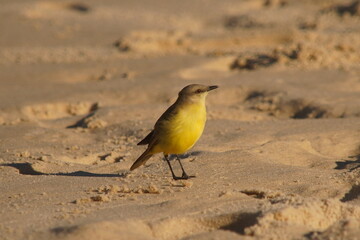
(141,160)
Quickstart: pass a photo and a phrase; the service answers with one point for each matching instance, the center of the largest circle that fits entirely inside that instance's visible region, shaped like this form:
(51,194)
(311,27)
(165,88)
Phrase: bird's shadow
(184,156)
(27,169)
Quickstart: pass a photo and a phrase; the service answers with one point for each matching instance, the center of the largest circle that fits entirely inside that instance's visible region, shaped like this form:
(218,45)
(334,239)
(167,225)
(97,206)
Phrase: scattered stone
(122,45)
(94,123)
(25,154)
(128,75)
(106,75)
(100,198)
(43,158)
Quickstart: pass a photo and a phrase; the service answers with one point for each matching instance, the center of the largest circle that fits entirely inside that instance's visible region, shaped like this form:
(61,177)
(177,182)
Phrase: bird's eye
(198,91)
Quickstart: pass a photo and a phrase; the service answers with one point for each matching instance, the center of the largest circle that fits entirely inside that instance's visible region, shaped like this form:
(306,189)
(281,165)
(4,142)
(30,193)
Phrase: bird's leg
(184,175)
(172,172)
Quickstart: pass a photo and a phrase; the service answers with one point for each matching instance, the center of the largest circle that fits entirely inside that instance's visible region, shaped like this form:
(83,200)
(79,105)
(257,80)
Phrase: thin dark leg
(184,175)
(182,168)
(172,172)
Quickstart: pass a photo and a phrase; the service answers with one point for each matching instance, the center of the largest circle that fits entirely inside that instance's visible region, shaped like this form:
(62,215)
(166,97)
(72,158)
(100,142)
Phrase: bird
(178,128)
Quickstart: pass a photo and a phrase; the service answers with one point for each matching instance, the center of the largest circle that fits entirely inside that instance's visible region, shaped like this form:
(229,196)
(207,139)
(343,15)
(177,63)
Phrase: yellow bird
(178,128)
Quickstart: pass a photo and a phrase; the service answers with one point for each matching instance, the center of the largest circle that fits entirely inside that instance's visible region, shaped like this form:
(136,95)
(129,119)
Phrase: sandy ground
(82,82)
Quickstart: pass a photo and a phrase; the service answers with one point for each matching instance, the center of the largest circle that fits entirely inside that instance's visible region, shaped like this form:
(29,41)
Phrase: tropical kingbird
(178,128)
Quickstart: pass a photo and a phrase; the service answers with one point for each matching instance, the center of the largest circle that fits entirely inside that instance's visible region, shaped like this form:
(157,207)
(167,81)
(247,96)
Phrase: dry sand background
(82,82)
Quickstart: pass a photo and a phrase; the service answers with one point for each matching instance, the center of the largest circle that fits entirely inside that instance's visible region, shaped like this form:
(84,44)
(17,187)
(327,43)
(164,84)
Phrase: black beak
(212,88)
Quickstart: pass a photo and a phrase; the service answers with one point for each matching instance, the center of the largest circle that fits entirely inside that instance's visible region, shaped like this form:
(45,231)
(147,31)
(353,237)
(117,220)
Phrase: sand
(81,82)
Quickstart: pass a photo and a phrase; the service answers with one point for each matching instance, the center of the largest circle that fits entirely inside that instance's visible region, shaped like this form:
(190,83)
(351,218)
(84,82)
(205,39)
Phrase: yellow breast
(182,130)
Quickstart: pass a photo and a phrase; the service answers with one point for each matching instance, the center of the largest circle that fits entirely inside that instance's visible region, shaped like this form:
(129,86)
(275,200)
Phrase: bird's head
(195,92)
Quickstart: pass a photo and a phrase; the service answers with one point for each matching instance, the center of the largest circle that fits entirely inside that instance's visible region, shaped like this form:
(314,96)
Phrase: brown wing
(168,114)
(165,116)
(147,139)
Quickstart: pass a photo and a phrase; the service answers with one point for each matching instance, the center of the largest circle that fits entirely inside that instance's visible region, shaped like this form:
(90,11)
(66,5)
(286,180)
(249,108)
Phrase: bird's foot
(183,177)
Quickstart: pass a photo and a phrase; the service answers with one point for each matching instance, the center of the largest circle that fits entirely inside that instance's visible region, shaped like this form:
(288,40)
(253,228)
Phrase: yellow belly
(182,131)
